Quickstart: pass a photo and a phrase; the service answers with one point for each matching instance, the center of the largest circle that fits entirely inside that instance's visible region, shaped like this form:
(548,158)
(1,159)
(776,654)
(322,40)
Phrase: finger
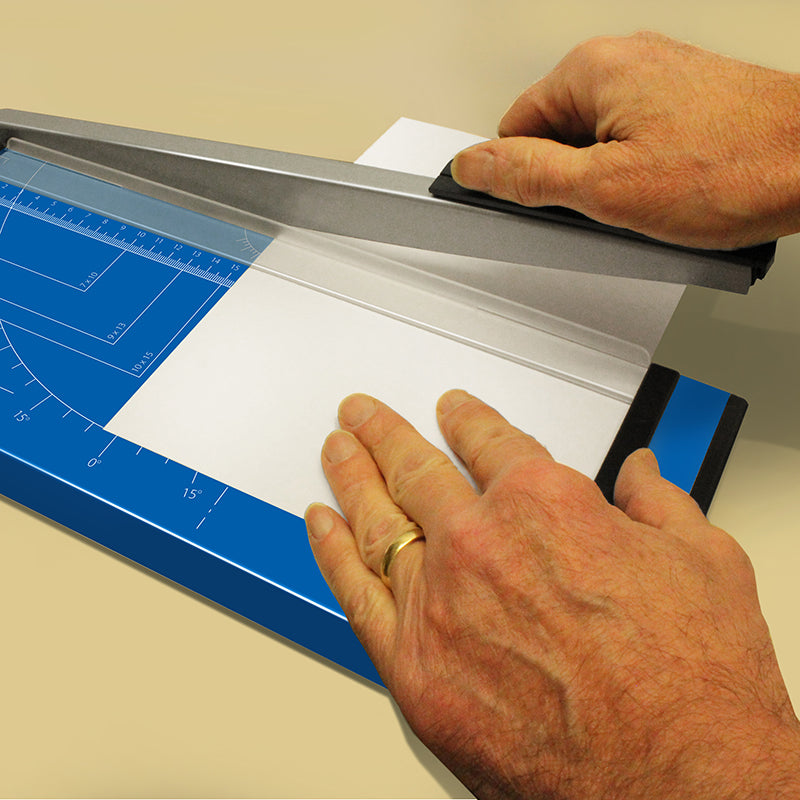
(646,497)
(531,172)
(374,518)
(486,443)
(420,479)
(366,602)
(618,183)
(578,101)
(548,109)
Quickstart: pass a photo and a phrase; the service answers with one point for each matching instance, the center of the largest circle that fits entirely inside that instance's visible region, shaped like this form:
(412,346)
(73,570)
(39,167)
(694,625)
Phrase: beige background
(115,683)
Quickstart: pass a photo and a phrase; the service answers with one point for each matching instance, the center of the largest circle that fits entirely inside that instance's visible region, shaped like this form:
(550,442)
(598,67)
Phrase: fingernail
(319,521)
(472,168)
(451,400)
(356,409)
(338,446)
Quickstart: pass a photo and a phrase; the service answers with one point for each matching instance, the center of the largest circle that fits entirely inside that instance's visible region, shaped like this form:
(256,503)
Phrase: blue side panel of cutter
(686,428)
(98,285)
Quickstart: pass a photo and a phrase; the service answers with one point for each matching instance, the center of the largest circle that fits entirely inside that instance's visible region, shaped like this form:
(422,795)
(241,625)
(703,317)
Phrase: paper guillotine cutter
(187,217)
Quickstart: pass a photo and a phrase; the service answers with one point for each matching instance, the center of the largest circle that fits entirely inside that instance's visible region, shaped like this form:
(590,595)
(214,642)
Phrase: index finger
(560,106)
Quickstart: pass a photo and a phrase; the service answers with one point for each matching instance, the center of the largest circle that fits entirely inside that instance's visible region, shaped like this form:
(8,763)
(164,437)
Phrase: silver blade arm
(360,202)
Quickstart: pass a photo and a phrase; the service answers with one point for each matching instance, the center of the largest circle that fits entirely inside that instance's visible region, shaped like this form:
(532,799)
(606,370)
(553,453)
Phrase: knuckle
(558,496)
(470,533)
(437,612)
(515,445)
(616,179)
(527,183)
(444,618)
(647,36)
(555,482)
(413,470)
(362,609)
(611,57)
(513,174)
(731,555)
(379,529)
(632,191)
(599,52)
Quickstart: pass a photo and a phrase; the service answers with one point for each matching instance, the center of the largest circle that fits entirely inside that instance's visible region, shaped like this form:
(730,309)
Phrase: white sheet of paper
(249,396)
(251,393)
(420,148)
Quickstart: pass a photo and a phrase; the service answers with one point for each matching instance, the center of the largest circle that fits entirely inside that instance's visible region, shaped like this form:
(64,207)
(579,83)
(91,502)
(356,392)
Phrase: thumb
(525,170)
(648,498)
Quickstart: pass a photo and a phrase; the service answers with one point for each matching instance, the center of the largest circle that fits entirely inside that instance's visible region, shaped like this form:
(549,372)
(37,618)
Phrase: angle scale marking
(61,386)
(52,432)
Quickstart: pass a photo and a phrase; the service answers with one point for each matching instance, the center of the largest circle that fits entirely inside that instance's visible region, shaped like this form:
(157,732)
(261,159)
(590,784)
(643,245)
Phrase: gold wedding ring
(394,548)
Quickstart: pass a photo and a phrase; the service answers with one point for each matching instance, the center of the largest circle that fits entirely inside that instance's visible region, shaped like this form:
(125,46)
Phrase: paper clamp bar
(356,201)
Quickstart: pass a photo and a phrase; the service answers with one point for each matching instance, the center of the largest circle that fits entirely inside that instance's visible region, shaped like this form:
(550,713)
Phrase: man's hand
(651,134)
(540,641)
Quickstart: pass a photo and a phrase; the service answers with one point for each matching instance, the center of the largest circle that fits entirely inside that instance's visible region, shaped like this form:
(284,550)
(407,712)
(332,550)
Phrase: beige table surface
(115,683)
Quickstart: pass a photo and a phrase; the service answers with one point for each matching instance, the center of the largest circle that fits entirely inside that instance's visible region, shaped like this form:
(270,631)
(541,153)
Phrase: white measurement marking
(41,274)
(66,405)
(248,244)
(178,333)
(6,390)
(56,321)
(100,360)
(10,204)
(147,308)
(106,447)
(82,353)
(104,238)
(100,275)
(40,402)
(221,496)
